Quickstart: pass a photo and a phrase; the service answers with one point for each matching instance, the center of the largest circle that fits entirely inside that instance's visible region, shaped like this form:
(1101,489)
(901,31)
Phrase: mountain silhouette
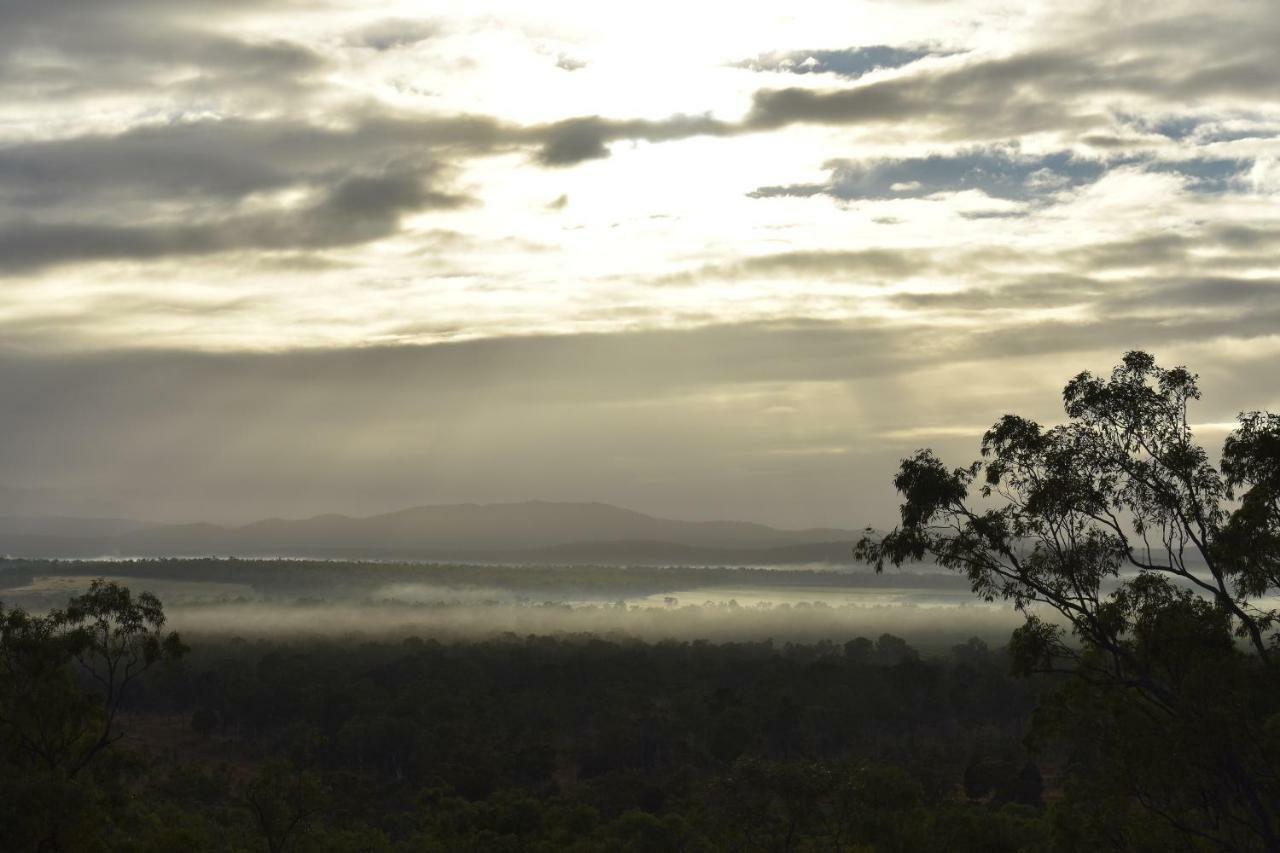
(533,531)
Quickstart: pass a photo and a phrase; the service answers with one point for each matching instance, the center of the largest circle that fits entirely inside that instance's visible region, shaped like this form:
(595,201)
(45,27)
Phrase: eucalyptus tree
(1148,577)
(63,678)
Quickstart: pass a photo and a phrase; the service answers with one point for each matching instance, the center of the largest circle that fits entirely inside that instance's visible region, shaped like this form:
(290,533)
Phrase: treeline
(545,712)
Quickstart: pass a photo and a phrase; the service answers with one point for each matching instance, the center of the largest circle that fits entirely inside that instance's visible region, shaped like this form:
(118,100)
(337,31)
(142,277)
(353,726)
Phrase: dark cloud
(791,191)
(1162,297)
(1044,291)
(1054,88)
(1071,280)
(114,196)
(992,98)
(196,187)
(994,214)
(980,99)
(392,33)
(1217,292)
(1154,333)
(1245,238)
(74,48)
(864,264)
(575,140)
(998,172)
(229,158)
(568,63)
(357,209)
(1138,252)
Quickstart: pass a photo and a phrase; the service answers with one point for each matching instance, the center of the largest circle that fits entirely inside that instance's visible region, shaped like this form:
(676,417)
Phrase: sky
(704,260)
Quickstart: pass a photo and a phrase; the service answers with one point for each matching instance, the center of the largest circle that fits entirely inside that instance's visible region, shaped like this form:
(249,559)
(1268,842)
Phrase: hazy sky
(699,259)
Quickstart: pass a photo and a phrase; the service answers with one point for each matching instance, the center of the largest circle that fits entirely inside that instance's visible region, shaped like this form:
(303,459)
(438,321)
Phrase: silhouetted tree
(52,729)
(894,650)
(1116,526)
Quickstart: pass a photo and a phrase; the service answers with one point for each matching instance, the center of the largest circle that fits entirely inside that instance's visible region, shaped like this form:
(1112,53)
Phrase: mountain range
(531,531)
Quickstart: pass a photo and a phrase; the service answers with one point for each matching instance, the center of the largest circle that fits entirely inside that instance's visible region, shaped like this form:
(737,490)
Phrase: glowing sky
(700,259)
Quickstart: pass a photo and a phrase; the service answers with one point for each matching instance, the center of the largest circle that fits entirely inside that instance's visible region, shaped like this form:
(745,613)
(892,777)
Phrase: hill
(531,531)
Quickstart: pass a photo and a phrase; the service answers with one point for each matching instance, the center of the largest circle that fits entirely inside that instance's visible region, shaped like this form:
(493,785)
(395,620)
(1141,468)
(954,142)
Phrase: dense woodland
(544,743)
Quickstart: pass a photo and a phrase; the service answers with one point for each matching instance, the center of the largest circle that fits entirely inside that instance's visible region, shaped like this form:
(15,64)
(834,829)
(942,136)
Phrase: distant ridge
(531,531)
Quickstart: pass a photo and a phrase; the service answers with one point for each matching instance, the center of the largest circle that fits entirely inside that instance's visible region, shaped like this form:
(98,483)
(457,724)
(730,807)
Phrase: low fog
(920,624)
(461,603)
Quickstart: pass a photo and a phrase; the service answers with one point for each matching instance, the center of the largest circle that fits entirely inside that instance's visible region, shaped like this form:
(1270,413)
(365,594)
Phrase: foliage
(1115,527)
(285,802)
(63,677)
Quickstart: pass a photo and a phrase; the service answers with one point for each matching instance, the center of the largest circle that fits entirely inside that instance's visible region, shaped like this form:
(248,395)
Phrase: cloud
(225,159)
(195,188)
(873,264)
(1036,293)
(113,196)
(975,97)
(982,99)
(1216,292)
(1213,246)
(393,33)
(79,48)
(59,191)
(1162,298)
(1138,252)
(999,172)
(357,209)
(1052,88)
(572,141)
(567,63)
